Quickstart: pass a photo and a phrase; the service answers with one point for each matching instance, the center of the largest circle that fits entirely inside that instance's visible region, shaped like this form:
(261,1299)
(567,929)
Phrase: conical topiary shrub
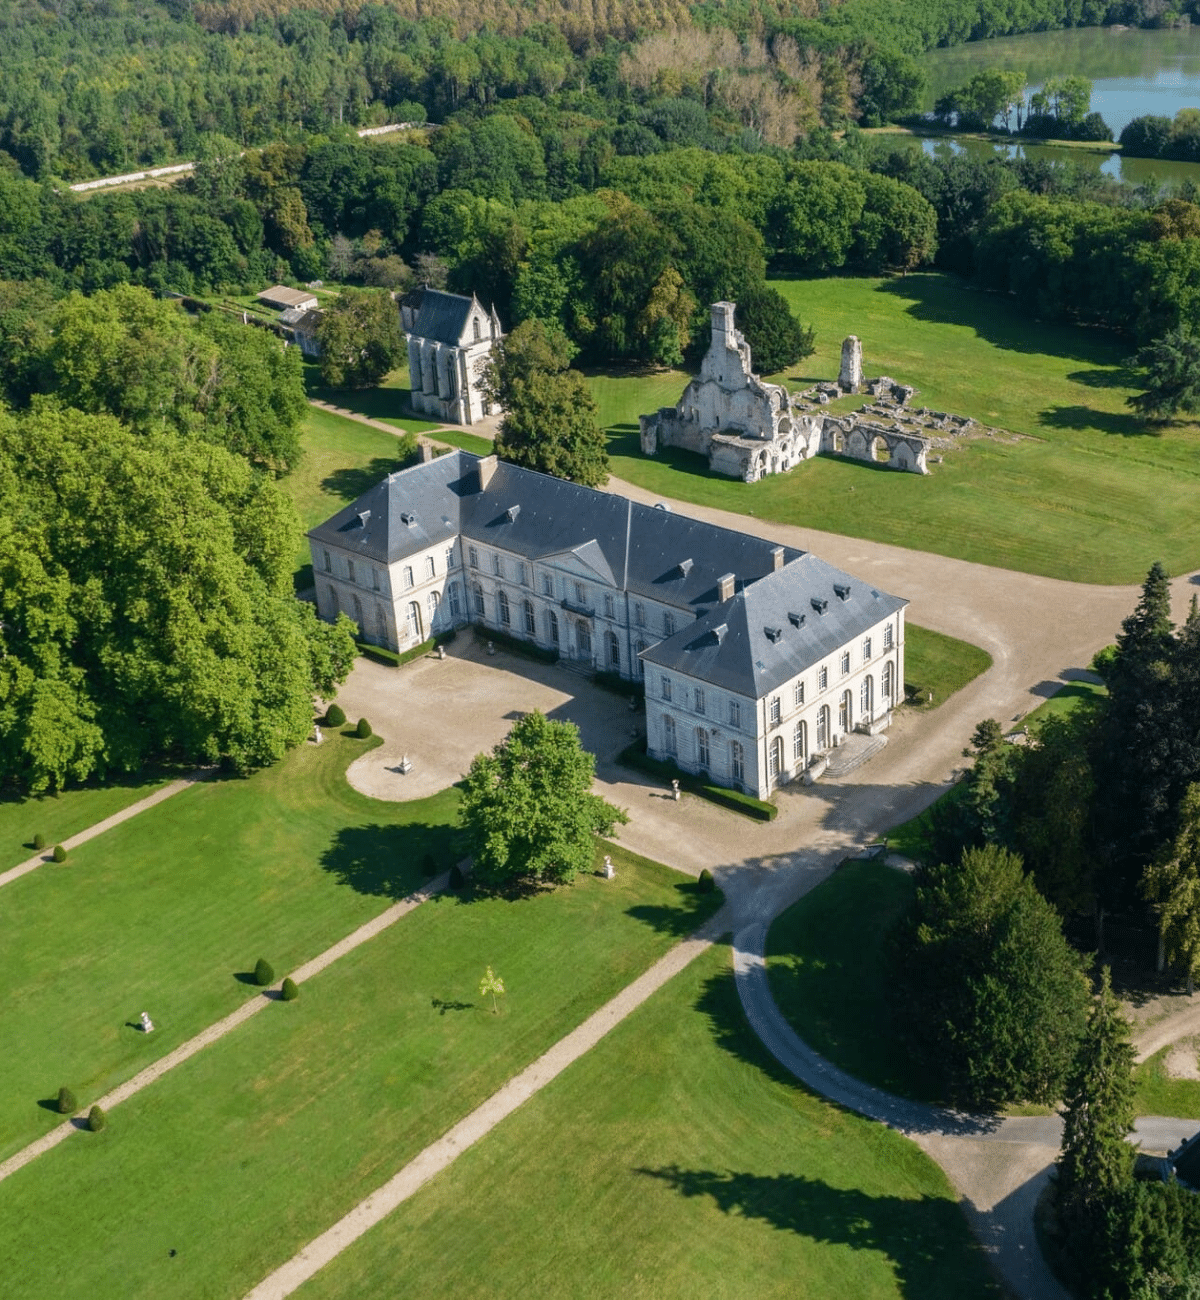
(39,841)
(263,972)
(334,716)
(363,730)
(705,883)
(290,991)
(59,854)
(96,1119)
(67,1105)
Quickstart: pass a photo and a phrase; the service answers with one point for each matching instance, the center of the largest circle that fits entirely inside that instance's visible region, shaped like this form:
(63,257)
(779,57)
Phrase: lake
(1133,72)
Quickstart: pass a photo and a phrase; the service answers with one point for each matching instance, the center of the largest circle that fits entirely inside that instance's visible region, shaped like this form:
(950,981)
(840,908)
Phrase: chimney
(725,586)
(722,323)
(426,450)
(486,468)
(777,559)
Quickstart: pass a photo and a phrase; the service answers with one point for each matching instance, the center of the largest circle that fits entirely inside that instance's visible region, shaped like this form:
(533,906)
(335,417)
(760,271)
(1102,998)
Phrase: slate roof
(776,628)
(645,550)
(440,316)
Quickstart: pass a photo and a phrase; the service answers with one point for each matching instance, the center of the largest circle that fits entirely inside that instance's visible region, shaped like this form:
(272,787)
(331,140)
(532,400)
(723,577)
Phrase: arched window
(381,622)
(614,652)
(358,618)
(845,712)
(433,601)
(823,728)
(737,761)
(530,625)
(414,621)
(502,604)
(477,599)
(775,758)
(702,748)
(866,698)
(408,576)
(887,689)
(552,618)
(333,602)
(669,733)
(800,744)
(475,327)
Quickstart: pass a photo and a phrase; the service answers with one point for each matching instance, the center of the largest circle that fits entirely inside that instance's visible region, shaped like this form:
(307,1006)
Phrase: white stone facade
(450,340)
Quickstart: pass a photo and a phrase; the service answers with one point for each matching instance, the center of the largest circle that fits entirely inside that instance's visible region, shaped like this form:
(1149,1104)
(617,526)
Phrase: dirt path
(1180,1024)
(222,1027)
(74,841)
(441,1154)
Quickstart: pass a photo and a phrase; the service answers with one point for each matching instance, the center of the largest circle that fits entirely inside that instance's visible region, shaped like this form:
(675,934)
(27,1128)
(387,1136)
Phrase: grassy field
(58,817)
(675,1160)
(832,986)
(166,911)
(1159,1095)
(1086,495)
(938,665)
(229,1164)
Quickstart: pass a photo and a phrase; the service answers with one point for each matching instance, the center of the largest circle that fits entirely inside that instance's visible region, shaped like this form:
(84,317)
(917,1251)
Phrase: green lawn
(1069,697)
(238,1157)
(1087,496)
(58,817)
(163,913)
(390,401)
(1159,1095)
(827,965)
(938,665)
(673,1161)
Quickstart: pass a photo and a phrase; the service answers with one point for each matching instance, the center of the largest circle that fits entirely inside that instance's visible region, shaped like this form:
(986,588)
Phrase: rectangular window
(735,713)
(497,566)
(432,602)
(888,636)
(472,557)
(699,700)
(669,734)
(580,594)
(668,624)
(639,614)
(430,567)
(328,563)
(798,694)
(450,561)
(845,662)
(666,688)
(455,602)
(350,570)
(521,578)
(702,748)
(823,678)
(776,709)
(477,599)
(375,578)
(547,585)
(609,608)
(408,576)
(866,648)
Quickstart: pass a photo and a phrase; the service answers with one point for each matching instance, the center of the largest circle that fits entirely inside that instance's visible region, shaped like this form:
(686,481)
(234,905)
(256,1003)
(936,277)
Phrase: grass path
(131,1087)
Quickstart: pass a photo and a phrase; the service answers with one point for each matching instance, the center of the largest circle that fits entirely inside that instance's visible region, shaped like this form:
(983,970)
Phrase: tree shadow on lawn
(388,861)
(1086,419)
(944,299)
(351,482)
(693,909)
(912,1234)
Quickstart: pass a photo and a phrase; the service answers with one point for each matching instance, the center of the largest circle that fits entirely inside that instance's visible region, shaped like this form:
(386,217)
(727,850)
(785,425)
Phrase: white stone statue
(609,870)
(675,790)
(317,737)
(147,1024)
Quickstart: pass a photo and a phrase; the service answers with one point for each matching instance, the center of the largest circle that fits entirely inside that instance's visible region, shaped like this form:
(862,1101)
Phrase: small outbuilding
(281,298)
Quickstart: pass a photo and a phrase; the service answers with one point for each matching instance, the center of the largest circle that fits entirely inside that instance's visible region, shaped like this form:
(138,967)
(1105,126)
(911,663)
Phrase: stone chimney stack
(777,558)
(722,323)
(850,376)
(486,468)
(726,585)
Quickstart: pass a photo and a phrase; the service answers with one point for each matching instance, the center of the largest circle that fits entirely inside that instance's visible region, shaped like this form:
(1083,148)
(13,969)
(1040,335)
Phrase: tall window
(637,649)
(845,712)
(823,727)
(866,698)
(666,687)
(639,614)
(414,621)
(699,700)
(775,758)
(455,601)
(609,607)
(333,601)
(776,709)
(430,567)
(475,328)
(530,625)
(381,622)
(800,744)
(552,618)
(497,565)
(888,684)
(668,623)
(350,570)
(735,713)
(502,602)
(328,563)
(358,618)
(450,560)
(408,576)
(521,578)
(798,694)
(477,598)
(472,557)
(669,733)
(702,748)
(547,585)
(737,761)
(888,637)
(866,648)
(614,652)
(822,678)
(433,606)
(845,662)
(375,578)
(580,594)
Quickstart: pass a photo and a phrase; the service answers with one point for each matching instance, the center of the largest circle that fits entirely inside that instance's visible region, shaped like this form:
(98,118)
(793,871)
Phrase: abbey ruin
(746,428)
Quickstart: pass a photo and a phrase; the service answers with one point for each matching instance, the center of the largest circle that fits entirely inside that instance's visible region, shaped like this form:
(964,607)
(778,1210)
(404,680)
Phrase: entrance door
(845,713)
(583,639)
(776,757)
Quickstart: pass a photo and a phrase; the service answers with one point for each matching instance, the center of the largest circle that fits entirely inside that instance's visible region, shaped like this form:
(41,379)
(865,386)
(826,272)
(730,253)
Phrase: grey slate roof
(645,549)
(775,629)
(440,316)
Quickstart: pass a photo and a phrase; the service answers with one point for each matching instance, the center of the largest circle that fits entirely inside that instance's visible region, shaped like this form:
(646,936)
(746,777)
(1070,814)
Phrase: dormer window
(773,634)
(843,592)
(796,620)
(819,605)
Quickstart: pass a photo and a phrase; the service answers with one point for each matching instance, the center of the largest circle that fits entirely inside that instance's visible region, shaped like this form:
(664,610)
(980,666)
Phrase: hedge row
(381,655)
(619,685)
(635,756)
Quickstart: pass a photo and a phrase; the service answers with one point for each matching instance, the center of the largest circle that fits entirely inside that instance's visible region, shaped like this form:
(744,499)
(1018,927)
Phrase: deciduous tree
(360,338)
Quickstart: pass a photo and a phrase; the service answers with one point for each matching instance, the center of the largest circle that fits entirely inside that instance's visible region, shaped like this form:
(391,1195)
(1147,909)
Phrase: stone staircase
(580,667)
(851,754)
